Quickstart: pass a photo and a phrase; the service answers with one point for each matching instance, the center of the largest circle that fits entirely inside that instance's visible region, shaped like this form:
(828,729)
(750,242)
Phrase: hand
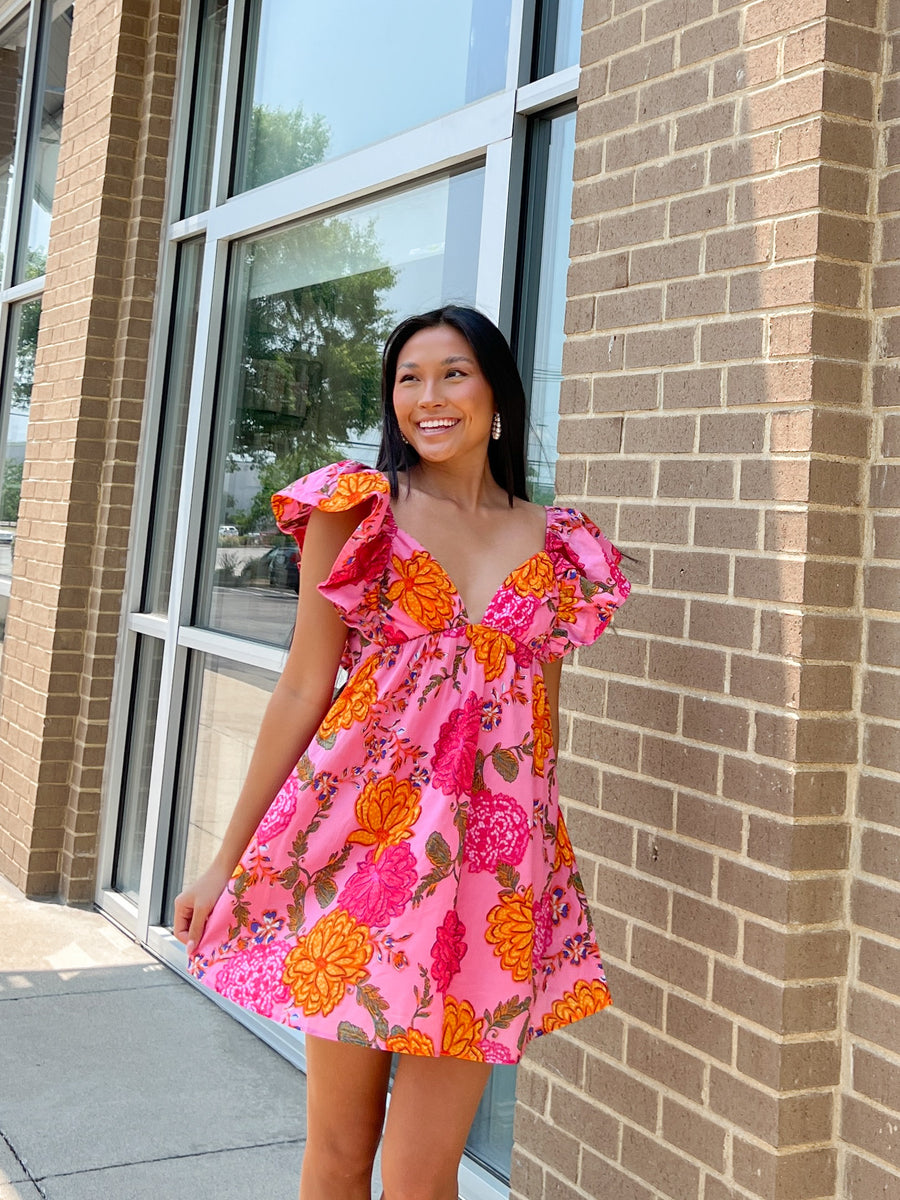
(194,904)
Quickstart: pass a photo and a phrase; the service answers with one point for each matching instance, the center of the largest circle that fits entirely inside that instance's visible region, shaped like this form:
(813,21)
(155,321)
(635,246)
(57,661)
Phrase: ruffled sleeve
(590,586)
(337,488)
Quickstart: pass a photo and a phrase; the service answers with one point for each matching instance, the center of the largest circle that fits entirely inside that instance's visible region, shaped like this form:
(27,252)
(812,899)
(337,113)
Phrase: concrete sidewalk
(119,1081)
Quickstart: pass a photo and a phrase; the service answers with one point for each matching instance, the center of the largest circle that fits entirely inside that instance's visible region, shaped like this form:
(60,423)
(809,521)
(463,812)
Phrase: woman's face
(443,402)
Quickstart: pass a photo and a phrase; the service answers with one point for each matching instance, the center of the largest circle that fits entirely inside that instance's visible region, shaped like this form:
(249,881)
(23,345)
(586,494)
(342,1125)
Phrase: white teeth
(436,424)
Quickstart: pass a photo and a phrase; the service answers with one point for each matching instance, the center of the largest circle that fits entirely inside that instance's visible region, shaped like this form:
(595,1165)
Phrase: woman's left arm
(552,672)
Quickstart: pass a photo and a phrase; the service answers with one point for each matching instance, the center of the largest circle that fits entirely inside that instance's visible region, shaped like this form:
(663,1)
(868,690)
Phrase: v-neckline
(464,608)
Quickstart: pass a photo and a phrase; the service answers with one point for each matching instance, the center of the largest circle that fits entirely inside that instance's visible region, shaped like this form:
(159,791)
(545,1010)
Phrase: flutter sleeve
(590,586)
(363,558)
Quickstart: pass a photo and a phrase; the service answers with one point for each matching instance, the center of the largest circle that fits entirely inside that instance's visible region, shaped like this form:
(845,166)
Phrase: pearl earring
(495,427)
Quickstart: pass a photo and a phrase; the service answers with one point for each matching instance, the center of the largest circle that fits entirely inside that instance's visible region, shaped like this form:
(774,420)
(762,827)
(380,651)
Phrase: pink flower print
(543,929)
(448,950)
(254,979)
(381,889)
(280,811)
(512,613)
(367,561)
(454,749)
(495,1052)
(496,831)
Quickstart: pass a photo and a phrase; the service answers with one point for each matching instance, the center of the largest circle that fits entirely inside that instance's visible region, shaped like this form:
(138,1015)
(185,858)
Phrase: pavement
(120,1081)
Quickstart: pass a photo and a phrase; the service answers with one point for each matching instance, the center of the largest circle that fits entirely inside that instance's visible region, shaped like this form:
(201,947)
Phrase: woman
(411,888)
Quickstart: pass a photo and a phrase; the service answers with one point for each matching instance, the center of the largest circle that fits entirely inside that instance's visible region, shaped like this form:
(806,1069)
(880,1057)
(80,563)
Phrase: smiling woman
(397,877)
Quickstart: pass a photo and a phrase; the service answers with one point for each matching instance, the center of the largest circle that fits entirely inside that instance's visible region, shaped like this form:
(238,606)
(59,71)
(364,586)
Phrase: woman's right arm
(300,700)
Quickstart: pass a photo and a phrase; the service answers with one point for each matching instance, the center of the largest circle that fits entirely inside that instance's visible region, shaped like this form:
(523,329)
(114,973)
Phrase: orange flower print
(567,606)
(541,724)
(584,1001)
(411,1042)
(387,810)
(328,961)
(533,578)
(461,1031)
(353,703)
(423,590)
(511,932)
(491,648)
(280,505)
(565,855)
(352,490)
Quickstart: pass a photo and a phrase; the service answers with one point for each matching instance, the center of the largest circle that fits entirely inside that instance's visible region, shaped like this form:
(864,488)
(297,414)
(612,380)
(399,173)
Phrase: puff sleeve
(590,586)
(337,488)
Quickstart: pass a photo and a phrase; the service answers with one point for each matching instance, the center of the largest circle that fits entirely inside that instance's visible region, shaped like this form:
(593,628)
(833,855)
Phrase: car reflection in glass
(280,566)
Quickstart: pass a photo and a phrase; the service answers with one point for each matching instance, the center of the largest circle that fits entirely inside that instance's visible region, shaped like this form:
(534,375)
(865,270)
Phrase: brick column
(85,422)
(720,334)
(870,1111)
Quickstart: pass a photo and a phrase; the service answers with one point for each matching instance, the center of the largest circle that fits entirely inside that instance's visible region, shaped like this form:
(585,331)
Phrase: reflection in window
(16,402)
(136,776)
(43,149)
(225,707)
(544,298)
(558,43)
(205,104)
(177,388)
(308,314)
(400,65)
(12,63)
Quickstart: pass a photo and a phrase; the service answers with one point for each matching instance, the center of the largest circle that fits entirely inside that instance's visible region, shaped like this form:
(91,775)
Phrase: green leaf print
(437,850)
(504,1014)
(325,889)
(505,764)
(348,1032)
(507,876)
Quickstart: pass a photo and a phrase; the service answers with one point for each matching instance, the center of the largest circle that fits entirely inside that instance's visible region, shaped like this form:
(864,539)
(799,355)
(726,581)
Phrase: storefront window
(205,104)
(323,80)
(309,311)
(16,402)
(43,150)
(225,706)
(544,294)
(136,777)
(177,391)
(13,40)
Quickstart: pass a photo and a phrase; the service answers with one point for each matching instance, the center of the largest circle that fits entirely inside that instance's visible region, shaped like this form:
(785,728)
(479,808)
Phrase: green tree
(11,490)
(281,141)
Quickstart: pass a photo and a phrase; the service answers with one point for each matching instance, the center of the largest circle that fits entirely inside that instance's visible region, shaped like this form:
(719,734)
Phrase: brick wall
(720,329)
(85,421)
(869,1126)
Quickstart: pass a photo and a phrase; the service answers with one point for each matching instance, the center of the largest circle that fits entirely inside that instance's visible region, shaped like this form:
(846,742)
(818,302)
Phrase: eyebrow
(454,358)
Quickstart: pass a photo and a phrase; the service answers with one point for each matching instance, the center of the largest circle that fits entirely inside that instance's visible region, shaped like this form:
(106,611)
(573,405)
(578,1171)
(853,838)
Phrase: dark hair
(506,456)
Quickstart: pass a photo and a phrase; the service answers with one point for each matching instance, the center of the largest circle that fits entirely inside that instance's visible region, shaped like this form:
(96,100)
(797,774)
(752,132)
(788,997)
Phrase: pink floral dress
(413,887)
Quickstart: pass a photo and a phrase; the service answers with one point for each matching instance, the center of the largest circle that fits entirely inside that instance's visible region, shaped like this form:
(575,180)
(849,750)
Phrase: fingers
(184,910)
(198,922)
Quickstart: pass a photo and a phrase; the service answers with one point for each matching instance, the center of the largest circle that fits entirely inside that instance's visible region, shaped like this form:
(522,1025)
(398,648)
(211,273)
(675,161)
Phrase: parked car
(227,531)
(280,566)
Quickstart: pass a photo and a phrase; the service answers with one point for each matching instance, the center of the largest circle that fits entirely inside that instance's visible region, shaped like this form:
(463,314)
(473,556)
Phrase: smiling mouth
(445,423)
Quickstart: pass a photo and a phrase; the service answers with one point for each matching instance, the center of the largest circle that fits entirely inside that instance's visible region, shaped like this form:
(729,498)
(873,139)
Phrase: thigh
(346,1093)
(433,1103)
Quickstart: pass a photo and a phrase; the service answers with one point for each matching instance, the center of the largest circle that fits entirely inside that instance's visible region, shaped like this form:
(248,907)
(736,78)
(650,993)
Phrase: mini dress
(412,887)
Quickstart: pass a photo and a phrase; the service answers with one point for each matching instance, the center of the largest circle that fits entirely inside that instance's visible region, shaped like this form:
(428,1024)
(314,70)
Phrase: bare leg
(433,1103)
(346,1089)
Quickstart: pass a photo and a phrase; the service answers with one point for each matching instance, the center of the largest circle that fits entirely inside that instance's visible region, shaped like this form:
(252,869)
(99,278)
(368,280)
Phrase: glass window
(16,402)
(559,36)
(205,105)
(322,80)
(43,149)
(136,777)
(309,310)
(13,41)
(225,707)
(170,459)
(544,293)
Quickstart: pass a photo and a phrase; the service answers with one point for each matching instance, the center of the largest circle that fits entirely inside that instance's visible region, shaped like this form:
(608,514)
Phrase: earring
(405,439)
(495,427)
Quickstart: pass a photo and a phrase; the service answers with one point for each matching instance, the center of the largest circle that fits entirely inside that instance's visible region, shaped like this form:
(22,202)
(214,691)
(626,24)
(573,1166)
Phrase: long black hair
(506,456)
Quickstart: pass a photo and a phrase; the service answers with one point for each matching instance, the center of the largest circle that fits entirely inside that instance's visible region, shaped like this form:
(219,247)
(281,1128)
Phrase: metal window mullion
(549,91)
(495,286)
(23,136)
(174,665)
(450,141)
(226,118)
(522,16)
(239,650)
(179,142)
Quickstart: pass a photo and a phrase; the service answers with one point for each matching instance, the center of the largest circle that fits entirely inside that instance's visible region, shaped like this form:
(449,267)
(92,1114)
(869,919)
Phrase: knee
(343,1154)
(404,1179)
